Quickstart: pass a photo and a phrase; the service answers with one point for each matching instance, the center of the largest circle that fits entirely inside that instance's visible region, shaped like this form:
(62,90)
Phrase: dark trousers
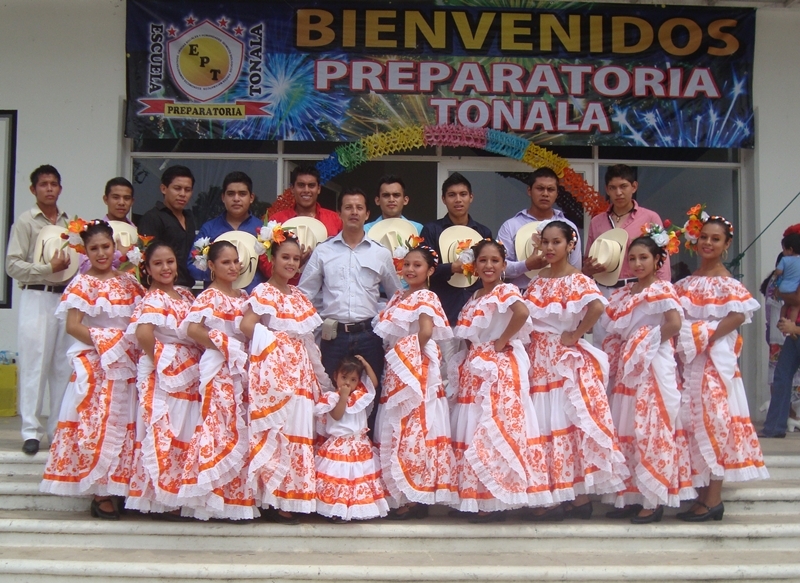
(781,399)
(366,344)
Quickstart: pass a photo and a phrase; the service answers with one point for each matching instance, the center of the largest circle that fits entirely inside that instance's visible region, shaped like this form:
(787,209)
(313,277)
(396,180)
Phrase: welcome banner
(584,74)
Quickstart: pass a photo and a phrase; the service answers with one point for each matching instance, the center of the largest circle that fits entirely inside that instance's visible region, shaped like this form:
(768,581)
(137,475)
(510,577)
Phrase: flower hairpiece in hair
(697,218)
(400,252)
(132,258)
(199,253)
(666,237)
(467,258)
(724,221)
(73,235)
(269,235)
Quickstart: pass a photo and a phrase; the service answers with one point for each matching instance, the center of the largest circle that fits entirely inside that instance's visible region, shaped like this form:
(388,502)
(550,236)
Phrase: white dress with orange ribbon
(92,449)
(349,484)
(285,377)
(413,423)
(644,396)
(215,483)
(499,459)
(169,403)
(722,441)
(568,391)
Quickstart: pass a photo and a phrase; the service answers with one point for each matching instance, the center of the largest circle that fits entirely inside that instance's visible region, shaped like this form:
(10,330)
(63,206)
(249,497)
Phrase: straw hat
(125,234)
(246,248)
(523,244)
(448,242)
(392,233)
(47,243)
(609,251)
(310,231)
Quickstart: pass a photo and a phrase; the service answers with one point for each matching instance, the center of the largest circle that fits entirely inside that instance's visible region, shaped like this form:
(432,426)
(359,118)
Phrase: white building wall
(62,66)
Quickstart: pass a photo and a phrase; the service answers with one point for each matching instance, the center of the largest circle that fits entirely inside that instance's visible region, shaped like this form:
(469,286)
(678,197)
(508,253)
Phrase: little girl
(499,461)
(567,382)
(284,383)
(642,318)
(167,380)
(413,423)
(349,484)
(788,272)
(92,450)
(218,451)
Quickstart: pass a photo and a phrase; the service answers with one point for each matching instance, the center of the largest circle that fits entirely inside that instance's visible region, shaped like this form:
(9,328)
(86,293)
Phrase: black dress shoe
(584,511)
(760,435)
(554,514)
(626,512)
(31,446)
(714,513)
(653,517)
(272,515)
(416,511)
(98,512)
(488,517)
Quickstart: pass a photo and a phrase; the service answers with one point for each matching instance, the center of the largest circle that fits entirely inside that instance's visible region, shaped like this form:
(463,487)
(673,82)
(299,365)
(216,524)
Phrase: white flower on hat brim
(448,244)
(125,235)
(392,233)
(48,242)
(609,250)
(245,244)
(523,244)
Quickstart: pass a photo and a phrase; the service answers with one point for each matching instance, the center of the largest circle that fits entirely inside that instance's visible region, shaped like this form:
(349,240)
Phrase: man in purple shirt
(543,190)
(118,199)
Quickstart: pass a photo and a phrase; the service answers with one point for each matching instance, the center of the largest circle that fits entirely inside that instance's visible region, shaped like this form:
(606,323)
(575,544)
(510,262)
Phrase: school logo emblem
(205,61)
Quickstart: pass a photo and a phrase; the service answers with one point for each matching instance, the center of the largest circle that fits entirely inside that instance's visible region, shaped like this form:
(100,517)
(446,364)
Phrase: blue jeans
(367,344)
(781,400)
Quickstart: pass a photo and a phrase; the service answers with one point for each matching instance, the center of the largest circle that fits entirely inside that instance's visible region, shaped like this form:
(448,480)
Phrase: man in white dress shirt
(342,278)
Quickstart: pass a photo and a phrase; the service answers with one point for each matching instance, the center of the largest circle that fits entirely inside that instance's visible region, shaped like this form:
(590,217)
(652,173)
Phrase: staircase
(47,539)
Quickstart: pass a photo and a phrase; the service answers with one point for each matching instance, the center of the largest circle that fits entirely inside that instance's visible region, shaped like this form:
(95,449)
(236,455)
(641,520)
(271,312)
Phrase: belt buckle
(347,328)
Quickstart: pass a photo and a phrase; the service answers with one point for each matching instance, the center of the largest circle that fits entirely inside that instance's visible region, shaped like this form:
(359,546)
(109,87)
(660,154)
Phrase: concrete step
(53,564)
(23,529)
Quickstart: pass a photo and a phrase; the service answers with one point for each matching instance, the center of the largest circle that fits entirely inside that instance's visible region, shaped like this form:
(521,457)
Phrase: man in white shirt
(42,339)
(543,190)
(342,278)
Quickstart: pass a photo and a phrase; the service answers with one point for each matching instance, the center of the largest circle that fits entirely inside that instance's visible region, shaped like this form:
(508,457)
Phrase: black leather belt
(56,289)
(622,282)
(357,327)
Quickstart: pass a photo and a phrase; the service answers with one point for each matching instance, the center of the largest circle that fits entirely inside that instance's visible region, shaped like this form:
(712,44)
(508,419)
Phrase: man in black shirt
(170,221)
(457,197)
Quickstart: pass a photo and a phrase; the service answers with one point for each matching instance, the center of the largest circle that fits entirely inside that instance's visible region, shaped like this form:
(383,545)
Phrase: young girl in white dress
(642,319)
(349,484)
(499,460)
(413,424)
(216,463)
(567,382)
(92,449)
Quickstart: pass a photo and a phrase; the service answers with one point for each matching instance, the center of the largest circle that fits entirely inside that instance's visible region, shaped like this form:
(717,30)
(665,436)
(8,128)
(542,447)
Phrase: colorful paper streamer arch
(348,156)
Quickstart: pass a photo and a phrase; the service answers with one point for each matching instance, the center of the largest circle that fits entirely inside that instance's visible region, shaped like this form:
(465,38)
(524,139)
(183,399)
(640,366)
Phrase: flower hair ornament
(403,247)
(697,218)
(467,258)
(666,237)
(199,253)
(132,258)
(73,235)
(271,234)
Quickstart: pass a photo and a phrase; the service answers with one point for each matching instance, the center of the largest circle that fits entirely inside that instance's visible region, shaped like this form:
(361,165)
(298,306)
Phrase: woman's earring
(149,280)
(503,276)
(725,254)
(213,275)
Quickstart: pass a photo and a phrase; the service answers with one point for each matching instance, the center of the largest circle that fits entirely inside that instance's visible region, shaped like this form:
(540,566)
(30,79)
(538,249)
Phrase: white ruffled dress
(499,459)
(567,386)
(413,422)
(215,484)
(722,440)
(92,449)
(644,396)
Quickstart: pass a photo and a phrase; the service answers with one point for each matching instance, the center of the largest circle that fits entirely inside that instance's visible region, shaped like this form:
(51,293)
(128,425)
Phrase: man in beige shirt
(42,338)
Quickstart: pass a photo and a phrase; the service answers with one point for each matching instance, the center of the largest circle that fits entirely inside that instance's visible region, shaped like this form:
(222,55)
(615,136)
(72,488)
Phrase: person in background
(237,196)
(118,199)
(171,222)
(543,192)
(42,340)
(391,199)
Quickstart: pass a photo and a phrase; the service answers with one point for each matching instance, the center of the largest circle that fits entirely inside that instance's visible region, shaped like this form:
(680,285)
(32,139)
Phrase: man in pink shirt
(625,213)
